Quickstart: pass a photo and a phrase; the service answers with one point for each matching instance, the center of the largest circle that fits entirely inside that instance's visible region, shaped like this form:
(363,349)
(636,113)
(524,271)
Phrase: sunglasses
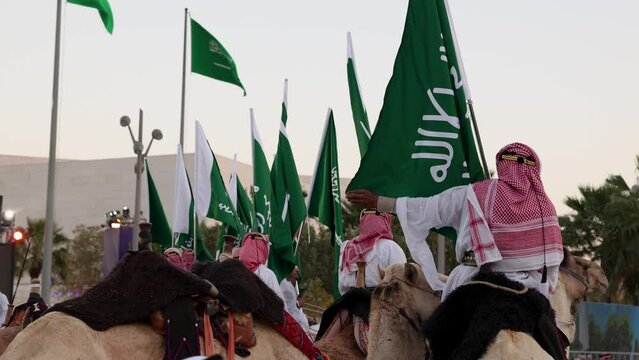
(520,159)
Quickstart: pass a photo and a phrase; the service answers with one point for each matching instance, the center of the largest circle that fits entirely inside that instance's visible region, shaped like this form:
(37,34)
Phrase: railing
(313,311)
(603,355)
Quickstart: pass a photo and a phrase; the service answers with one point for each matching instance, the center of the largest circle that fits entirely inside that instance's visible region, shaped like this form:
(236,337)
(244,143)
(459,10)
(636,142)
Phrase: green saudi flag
(287,191)
(211,198)
(281,256)
(325,201)
(160,230)
(240,200)
(362,129)
(210,58)
(104,9)
(184,221)
(423,142)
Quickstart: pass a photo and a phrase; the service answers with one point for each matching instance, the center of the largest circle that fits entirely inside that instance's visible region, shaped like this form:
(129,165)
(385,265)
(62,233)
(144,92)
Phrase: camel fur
(60,336)
(400,304)
(568,294)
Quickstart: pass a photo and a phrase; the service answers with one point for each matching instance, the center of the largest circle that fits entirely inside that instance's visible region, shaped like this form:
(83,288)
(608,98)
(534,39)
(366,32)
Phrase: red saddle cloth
(294,333)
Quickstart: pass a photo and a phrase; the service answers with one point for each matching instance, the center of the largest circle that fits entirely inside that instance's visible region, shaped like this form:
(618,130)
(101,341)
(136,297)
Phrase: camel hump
(515,345)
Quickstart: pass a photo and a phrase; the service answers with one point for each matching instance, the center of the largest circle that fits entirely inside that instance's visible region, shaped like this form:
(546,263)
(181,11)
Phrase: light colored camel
(578,278)
(399,306)
(7,335)
(402,300)
(60,336)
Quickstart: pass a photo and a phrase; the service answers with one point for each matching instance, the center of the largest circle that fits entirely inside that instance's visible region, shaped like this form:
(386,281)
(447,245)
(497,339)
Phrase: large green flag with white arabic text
(324,201)
(104,9)
(423,142)
(210,58)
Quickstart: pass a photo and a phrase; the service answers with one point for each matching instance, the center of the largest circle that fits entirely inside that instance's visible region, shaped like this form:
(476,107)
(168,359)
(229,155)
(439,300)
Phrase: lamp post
(138,149)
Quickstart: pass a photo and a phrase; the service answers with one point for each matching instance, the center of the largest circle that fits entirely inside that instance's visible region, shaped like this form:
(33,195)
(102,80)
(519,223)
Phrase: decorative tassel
(209,345)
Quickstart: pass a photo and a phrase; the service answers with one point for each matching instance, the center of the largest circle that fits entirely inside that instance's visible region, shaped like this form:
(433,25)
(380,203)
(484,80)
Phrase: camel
(398,305)
(577,278)
(60,336)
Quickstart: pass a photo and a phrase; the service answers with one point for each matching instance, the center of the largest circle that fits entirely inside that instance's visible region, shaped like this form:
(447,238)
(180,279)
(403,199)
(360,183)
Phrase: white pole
(186,17)
(441,254)
(49,217)
(139,166)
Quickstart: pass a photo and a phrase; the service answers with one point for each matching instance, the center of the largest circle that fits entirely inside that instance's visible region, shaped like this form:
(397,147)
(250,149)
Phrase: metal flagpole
(186,17)
(139,166)
(195,224)
(48,226)
(469,100)
(481,147)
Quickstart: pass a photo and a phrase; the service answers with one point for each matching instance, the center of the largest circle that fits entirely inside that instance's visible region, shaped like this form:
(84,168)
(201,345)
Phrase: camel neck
(391,336)
(562,303)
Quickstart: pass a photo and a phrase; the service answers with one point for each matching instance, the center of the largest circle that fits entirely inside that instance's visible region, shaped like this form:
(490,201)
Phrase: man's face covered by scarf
(254,251)
(520,192)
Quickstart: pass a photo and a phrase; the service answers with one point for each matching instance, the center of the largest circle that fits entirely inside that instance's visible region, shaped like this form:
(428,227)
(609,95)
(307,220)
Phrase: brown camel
(577,278)
(398,306)
(60,336)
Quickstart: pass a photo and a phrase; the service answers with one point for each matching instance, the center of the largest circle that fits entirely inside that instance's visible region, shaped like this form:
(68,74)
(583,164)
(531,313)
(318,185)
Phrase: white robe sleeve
(269,278)
(449,208)
(290,296)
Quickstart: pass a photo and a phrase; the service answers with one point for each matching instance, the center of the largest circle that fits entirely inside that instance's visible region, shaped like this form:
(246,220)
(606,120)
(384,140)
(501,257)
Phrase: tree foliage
(85,257)
(59,266)
(604,225)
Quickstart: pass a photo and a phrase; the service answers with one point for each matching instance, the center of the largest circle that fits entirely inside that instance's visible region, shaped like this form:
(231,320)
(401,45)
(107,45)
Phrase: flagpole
(479,144)
(49,217)
(195,224)
(186,17)
(467,93)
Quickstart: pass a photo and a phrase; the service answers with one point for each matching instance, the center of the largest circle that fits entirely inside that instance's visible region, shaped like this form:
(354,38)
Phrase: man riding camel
(254,255)
(374,246)
(508,225)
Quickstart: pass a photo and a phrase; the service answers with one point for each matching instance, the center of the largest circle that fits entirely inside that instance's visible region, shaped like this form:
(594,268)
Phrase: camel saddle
(483,307)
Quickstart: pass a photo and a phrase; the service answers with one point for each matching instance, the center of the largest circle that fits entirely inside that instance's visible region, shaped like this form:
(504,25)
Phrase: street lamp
(138,149)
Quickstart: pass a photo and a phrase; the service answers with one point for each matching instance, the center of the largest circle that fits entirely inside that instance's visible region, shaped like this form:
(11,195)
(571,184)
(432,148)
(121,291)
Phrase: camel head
(577,278)
(405,288)
(581,277)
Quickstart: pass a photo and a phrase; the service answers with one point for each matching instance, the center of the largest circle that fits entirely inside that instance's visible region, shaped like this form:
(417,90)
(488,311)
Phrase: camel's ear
(410,274)
(382,272)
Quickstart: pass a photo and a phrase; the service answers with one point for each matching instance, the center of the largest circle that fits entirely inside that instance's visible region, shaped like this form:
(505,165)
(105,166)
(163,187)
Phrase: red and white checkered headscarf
(372,227)
(254,251)
(520,215)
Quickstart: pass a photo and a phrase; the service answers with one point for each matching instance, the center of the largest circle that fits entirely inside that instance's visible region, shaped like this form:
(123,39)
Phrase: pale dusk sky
(558,75)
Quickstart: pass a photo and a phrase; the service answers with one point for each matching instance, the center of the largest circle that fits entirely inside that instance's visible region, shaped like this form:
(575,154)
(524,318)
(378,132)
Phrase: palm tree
(605,226)
(35,257)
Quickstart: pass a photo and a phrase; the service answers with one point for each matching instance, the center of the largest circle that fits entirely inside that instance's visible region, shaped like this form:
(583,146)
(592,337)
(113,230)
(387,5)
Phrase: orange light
(19,235)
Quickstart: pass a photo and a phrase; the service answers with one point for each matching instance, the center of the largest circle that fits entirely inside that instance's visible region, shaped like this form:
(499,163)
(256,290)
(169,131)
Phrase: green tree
(59,267)
(604,225)
(85,257)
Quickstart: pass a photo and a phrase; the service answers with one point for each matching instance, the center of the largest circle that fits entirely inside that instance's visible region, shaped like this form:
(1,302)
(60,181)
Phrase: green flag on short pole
(160,230)
(362,129)
(211,198)
(210,58)
(324,200)
(281,256)
(183,220)
(423,142)
(287,191)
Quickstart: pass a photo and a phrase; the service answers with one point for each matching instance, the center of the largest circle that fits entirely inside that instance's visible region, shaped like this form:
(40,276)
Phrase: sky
(558,75)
